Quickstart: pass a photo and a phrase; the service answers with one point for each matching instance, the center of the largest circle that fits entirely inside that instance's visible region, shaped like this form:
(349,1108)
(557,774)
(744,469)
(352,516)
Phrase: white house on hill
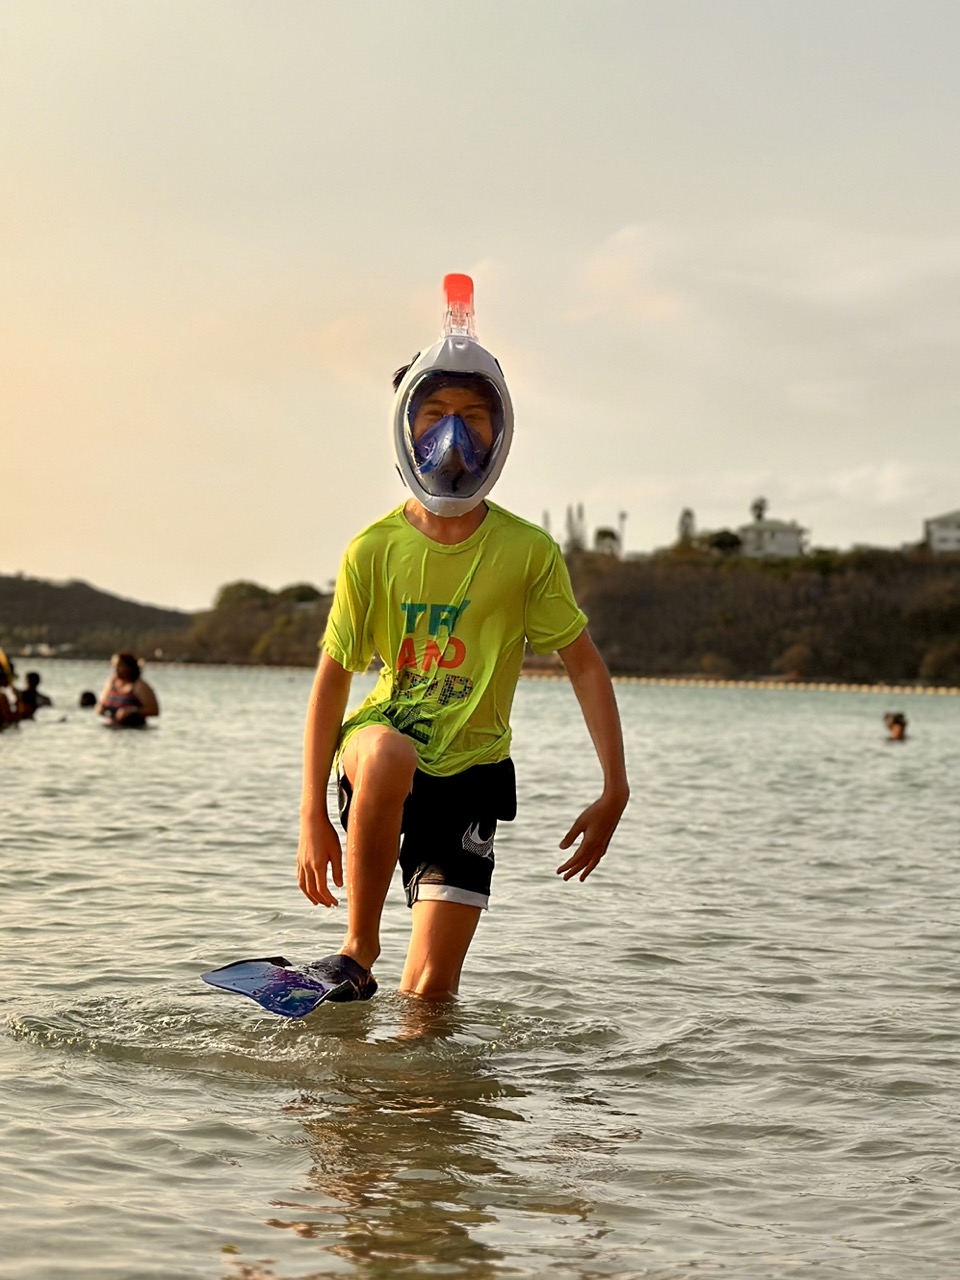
(942,533)
(772,538)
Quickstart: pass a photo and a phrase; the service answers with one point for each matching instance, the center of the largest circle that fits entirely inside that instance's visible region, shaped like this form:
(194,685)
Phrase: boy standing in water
(447,589)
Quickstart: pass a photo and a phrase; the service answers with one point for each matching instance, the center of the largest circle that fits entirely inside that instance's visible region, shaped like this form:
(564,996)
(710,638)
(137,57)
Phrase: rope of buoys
(792,686)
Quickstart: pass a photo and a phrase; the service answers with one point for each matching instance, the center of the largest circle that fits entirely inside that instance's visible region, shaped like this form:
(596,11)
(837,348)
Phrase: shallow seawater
(732,1052)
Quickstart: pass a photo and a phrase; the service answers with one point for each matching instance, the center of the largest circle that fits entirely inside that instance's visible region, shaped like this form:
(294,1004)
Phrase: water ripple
(730,1053)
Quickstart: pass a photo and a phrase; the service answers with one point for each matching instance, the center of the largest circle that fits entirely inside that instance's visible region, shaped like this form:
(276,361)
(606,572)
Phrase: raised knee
(389,764)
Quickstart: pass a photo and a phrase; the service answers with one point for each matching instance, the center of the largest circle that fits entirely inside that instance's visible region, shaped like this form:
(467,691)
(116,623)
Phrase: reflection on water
(415,1161)
(399,1141)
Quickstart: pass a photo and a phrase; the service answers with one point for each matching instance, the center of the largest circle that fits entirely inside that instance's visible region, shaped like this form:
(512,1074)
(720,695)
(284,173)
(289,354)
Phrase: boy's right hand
(318,854)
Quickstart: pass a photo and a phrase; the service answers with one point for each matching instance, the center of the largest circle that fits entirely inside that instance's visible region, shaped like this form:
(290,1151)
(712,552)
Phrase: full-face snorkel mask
(452,416)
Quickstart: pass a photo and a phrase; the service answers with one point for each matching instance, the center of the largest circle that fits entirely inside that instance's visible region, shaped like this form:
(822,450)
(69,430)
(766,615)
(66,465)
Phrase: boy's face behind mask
(461,402)
(454,426)
(452,435)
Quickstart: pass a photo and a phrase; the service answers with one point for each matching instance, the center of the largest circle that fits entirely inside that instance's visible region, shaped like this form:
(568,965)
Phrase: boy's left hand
(596,825)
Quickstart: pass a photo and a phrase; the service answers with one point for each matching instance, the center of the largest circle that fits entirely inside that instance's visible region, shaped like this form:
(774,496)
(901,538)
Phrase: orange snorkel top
(458,318)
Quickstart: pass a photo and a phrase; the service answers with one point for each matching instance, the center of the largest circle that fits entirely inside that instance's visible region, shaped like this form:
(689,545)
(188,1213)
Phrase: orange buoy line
(791,686)
(784,686)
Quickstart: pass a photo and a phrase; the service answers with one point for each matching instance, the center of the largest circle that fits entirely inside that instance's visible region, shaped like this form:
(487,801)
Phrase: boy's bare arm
(320,851)
(596,825)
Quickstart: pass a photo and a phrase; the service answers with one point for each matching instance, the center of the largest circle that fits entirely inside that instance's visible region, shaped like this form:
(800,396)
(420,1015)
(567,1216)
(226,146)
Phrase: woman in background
(127,700)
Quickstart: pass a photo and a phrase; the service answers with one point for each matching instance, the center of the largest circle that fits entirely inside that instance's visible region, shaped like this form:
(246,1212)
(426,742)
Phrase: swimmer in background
(10,712)
(127,700)
(31,699)
(896,723)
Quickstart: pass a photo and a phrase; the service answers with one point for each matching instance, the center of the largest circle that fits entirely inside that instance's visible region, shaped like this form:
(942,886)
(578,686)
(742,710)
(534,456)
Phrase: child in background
(32,699)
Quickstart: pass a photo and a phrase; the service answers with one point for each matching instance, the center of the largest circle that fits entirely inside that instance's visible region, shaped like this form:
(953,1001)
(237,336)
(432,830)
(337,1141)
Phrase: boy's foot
(356,982)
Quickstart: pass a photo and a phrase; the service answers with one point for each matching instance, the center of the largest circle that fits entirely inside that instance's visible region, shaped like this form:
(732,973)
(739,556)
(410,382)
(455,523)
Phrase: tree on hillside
(240,592)
(576,529)
(686,527)
(250,624)
(724,541)
(606,542)
(300,593)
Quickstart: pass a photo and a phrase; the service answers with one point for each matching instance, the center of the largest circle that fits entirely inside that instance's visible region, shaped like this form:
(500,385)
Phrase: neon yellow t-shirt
(449,624)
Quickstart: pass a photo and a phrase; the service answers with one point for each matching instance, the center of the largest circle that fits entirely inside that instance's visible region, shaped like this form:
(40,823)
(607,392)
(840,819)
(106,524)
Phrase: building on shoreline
(942,533)
(764,537)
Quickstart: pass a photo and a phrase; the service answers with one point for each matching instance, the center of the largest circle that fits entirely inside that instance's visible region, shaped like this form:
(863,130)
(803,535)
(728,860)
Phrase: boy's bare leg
(441,936)
(379,763)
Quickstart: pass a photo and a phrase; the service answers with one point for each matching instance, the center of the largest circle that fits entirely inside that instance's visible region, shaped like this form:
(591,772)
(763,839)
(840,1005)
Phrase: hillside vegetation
(250,624)
(857,616)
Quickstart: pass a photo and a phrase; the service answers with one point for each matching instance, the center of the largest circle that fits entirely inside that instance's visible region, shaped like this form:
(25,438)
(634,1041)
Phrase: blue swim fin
(276,985)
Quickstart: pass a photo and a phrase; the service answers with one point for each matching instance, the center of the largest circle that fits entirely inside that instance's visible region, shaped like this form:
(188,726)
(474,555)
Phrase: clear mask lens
(454,425)
(450,441)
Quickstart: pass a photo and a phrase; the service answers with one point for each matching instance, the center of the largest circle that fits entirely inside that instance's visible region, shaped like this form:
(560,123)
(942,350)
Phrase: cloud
(836,267)
(620,279)
(349,347)
(890,483)
(837,397)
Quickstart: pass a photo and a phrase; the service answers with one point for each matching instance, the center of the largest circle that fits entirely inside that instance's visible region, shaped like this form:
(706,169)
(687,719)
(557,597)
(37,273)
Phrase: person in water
(11,711)
(127,700)
(896,723)
(448,589)
(31,699)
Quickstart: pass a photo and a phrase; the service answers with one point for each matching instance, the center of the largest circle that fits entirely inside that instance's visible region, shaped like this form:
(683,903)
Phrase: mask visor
(453,432)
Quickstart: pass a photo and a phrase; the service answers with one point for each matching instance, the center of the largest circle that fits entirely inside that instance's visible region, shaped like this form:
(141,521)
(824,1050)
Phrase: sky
(715,245)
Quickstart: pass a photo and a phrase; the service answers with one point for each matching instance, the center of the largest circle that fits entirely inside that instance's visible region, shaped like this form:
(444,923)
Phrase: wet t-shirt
(450,624)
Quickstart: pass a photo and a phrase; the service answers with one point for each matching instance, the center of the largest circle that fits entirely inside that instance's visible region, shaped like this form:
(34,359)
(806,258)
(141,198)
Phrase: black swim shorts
(446,849)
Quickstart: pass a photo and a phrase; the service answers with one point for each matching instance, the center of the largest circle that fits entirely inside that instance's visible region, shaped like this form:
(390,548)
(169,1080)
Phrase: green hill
(75,618)
(248,624)
(251,625)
